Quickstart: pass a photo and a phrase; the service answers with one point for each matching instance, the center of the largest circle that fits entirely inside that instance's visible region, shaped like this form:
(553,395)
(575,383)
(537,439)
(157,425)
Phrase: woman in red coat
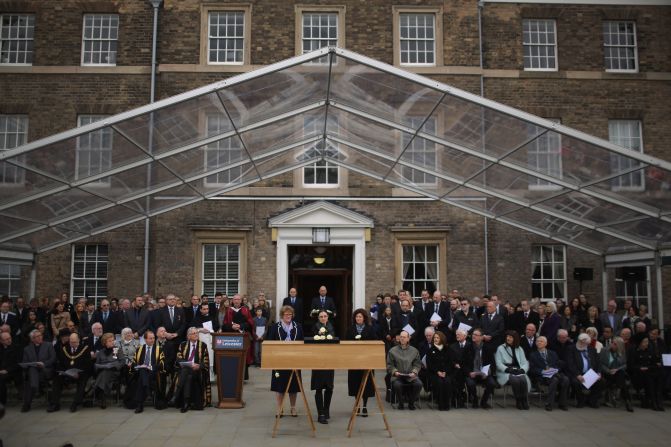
(239,319)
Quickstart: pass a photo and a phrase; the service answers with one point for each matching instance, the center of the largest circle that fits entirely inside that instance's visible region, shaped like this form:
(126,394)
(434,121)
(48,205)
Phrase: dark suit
(13,322)
(138,321)
(9,361)
(297,306)
(214,311)
(494,327)
(401,319)
(519,321)
(470,319)
(387,328)
(190,313)
(177,325)
(528,347)
(459,376)
(329,305)
(111,324)
(34,375)
(538,363)
(93,343)
(576,367)
(468,366)
(85,322)
(422,312)
(616,324)
(562,351)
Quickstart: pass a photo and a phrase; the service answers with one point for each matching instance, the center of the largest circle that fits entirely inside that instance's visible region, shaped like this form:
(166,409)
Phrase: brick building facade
(59,84)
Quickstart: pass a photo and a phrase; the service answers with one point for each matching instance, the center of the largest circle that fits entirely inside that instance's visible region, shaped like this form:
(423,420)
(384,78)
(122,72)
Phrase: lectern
(230,354)
(296,355)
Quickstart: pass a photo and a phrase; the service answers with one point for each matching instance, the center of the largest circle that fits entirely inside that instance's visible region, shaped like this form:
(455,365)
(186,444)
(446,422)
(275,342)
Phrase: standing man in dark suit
(441,308)
(173,320)
(296,303)
(192,311)
(215,305)
(138,318)
(9,318)
(405,317)
(492,326)
(106,317)
(423,309)
(323,302)
(465,315)
(523,317)
(21,311)
(44,358)
(610,317)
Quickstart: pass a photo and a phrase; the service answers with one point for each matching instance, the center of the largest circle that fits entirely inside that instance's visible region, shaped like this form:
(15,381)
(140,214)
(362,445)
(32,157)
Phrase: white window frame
(537,261)
(434,46)
(229,149)
(538,44)
(641,289)
(321,165)
(96,260)
(13,279)
(242,37)
(418,147)
(404,261)
(615,159)
(21,137)
(548,146)
(226,279)
(625,46)
(330,40)
(109,39)
(29,52)
(100,150)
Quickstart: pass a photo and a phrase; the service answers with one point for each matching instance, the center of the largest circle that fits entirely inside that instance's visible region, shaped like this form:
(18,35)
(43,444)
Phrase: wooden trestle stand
(230,354)
(295,355)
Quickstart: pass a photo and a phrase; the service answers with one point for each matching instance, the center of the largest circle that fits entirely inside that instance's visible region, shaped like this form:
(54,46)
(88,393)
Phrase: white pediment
(321,214)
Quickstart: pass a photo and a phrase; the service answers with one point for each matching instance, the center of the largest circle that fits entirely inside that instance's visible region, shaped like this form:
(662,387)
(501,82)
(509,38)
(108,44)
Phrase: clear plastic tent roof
(352,111)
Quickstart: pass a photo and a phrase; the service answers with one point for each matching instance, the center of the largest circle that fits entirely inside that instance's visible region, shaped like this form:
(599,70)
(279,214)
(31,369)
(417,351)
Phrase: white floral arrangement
(323,334)
(277,374)
(357,337)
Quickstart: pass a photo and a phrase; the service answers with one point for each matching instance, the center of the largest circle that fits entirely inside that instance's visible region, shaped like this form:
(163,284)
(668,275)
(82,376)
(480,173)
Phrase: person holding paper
(406,320)
(322,380)
(512,367)
(360,330)
(492,325)
(148,373)
(583,359)
(107,367)
(613,360)
(73,363)
(440,365)
(39,359)
(204,320)
(403,364)
(478,359)
(465,318)
(192,384)
(545,367)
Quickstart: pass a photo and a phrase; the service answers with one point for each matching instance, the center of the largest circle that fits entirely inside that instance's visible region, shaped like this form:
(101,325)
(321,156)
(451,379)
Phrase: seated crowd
(447,345)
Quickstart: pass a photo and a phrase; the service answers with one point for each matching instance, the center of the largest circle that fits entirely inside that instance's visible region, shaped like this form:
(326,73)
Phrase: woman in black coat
(285,330)
(646,373)
(360,330)
(322,379)
(386,329)
(440,365)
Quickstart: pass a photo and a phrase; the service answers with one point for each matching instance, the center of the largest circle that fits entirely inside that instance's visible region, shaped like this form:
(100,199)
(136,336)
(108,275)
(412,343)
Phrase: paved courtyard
(252,425)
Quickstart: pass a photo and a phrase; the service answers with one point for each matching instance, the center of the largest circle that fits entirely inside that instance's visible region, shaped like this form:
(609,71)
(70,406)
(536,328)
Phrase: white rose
(358,336)
(329,337)
(317,337)
(322,330)
(277,374)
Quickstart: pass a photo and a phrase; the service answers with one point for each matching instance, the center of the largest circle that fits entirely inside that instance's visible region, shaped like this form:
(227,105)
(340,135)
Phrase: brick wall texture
(56,90)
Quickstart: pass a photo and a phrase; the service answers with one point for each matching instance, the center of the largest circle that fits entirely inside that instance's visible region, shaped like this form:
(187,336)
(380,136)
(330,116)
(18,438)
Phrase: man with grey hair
(40,358)
(582,359)
(610,317)
(562,345)
(458,351)
(192,386)
(545,367)
(403,365)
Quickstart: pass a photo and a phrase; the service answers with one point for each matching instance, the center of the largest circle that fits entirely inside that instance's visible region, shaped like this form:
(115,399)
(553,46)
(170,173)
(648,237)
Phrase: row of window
(94,154)
(220,272)
(227,41)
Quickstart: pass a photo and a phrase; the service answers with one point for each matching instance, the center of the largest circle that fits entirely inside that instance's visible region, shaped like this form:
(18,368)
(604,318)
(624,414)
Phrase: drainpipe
(155,4)
(481,6)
